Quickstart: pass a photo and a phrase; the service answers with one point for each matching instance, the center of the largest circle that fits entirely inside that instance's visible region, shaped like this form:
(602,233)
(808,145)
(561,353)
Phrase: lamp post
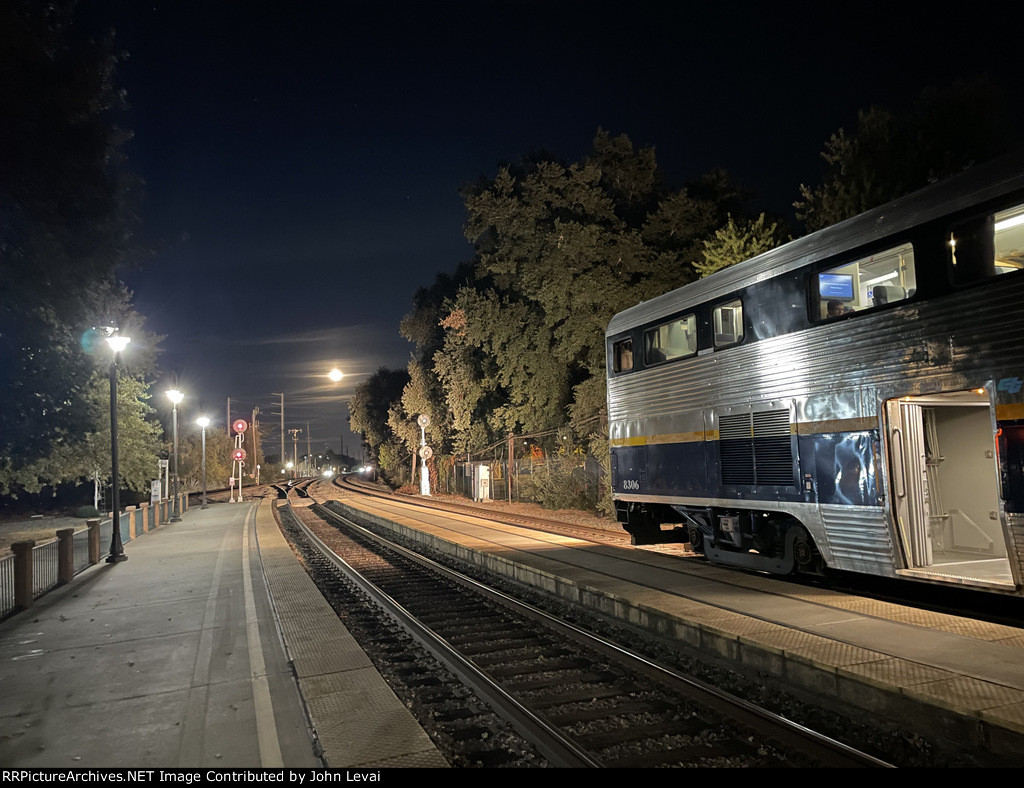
(117,344)
(175,397)
(203,422)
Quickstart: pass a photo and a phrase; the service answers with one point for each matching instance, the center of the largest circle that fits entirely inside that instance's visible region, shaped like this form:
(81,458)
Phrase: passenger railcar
(853,399)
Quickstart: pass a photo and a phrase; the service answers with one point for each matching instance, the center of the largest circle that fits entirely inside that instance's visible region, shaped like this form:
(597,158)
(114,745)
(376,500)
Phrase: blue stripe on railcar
(841,467)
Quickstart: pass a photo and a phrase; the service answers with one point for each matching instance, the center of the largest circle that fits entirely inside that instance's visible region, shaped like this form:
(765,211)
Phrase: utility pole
(295,449)
(309,451)
(511,462)
(229,417)
(282,426)
(255,443)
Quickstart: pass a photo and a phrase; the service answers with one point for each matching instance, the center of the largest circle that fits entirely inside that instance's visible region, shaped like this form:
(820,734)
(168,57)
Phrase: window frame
(989,216)
(815,301)
(743,323)
(616,344)
(689,316)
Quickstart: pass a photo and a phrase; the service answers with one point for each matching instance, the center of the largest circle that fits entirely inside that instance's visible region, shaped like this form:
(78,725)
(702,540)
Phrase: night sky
(302,159)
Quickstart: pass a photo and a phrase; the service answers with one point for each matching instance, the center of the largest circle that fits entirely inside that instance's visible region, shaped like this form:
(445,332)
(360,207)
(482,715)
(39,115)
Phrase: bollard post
(131,521)
(156,514)
(65,555)
(22,574)
(144,517)
(94,540)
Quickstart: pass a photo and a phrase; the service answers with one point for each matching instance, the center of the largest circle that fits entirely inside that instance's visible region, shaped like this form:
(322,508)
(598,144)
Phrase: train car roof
(973,187)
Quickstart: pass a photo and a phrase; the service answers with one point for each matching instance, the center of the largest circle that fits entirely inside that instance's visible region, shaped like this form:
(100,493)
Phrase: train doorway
(945,488)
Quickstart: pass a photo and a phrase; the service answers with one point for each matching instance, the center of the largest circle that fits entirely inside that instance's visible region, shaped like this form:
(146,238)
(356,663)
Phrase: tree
(560,249)
(219,469)
(370,408)
(733,244)
(66,220)
(894,153)
(79,458)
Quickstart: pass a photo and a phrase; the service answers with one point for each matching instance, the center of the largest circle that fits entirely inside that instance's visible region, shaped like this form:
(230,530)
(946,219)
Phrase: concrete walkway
(169,659)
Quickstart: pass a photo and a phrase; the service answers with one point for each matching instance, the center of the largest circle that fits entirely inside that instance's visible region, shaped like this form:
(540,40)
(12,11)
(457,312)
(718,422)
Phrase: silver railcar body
(886,441)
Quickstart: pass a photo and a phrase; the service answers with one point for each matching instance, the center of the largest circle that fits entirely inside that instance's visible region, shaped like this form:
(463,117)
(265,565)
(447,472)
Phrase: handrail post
(65,555)
(22,574)
(94,540)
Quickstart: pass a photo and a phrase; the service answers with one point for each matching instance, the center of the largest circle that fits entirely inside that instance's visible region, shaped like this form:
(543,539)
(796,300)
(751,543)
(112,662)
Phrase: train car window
(622,355)
(987,247)
(867,283)
(728,322)
(1009,232)
(972,253)
(670,341)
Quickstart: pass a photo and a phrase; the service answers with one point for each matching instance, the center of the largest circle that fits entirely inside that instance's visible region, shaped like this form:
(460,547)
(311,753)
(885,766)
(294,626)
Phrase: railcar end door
(944,483)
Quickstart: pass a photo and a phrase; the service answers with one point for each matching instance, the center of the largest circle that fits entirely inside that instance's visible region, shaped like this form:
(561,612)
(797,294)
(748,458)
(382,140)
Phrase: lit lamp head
(203,422)
(175,396)
(117,342)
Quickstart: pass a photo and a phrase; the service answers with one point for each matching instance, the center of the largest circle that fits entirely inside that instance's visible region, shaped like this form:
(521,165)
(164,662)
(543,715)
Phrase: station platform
(208,647)
(916,671)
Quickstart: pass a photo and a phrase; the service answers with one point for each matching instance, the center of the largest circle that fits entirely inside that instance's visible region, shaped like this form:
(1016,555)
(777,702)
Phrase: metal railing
(31,570)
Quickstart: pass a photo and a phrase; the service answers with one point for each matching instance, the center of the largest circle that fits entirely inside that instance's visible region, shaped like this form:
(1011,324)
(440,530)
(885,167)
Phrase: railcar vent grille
(756,449)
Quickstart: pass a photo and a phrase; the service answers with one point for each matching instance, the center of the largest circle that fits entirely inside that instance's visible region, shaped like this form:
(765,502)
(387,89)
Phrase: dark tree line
(67,221)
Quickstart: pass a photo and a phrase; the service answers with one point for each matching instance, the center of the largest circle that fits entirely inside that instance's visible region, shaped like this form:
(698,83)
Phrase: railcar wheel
(696,538)
(806,555)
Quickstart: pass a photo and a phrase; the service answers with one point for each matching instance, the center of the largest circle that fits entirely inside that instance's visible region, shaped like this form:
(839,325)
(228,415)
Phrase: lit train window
(882,278)
(728,320)
(622,355)
(1009,232)
(669,341)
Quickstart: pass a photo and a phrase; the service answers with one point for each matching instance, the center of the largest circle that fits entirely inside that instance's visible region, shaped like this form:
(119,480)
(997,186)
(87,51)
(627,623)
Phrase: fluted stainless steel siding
(859,539)
(837,371)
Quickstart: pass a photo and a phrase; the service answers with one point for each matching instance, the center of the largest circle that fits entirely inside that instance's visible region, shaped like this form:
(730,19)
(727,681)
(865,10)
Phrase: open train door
(944,483)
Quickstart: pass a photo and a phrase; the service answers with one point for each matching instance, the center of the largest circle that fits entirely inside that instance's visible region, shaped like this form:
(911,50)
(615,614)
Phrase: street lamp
(203,422)
(117,344)
(175,397)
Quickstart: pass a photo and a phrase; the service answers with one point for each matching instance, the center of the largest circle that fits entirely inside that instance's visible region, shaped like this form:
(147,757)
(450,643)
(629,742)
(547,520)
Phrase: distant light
(175,396)
(328,473)
(202,421)
(335,375)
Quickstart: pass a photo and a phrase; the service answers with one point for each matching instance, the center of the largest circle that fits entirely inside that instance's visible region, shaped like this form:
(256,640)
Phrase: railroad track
(614,536)
(562,694)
